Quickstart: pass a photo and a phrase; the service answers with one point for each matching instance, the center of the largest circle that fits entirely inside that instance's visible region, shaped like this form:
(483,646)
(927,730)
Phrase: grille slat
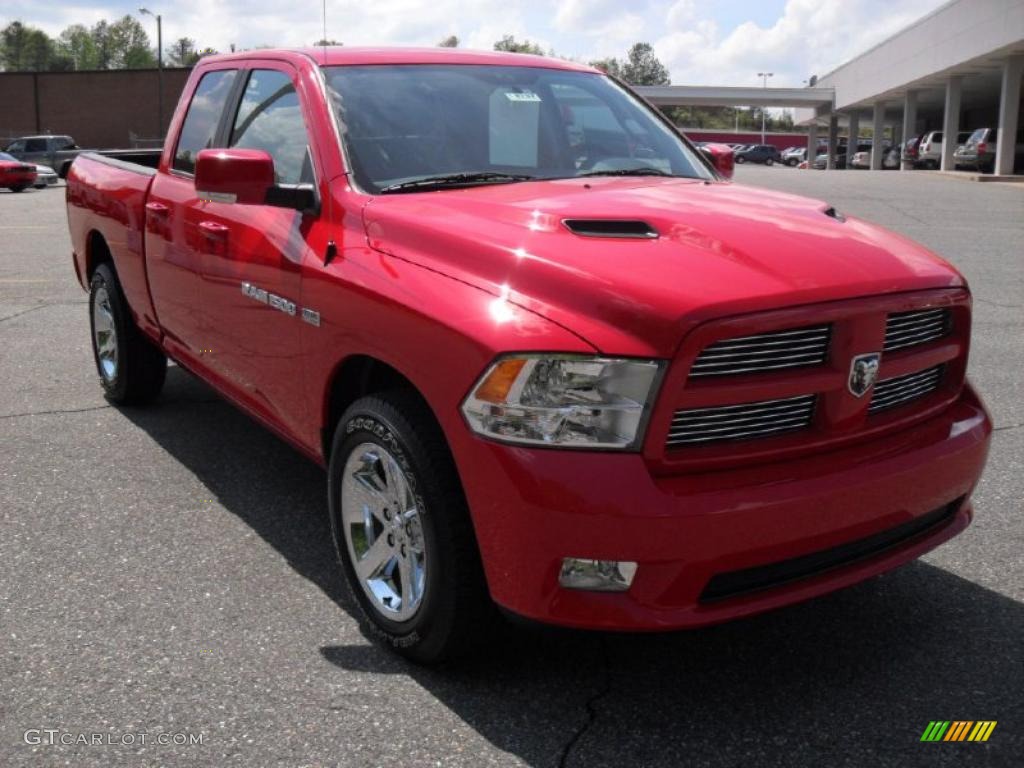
(746,420)
(890,393)
(773,351)
(908,329)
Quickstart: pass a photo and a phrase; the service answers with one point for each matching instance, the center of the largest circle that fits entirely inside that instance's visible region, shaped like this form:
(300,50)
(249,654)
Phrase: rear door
(252,254)
(173,214)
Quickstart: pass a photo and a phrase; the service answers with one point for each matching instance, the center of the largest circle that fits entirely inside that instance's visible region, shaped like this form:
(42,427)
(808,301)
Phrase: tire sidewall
(369,425)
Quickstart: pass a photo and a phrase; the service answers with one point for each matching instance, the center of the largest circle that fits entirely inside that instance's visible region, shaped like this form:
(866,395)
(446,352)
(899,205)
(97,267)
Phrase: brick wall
(99,109)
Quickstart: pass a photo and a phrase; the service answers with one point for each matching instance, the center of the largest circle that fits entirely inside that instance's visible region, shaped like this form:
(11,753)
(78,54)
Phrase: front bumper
(691,532)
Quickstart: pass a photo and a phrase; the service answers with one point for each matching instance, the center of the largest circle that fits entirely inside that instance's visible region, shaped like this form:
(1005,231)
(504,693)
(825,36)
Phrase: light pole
(764,77)
(159,69)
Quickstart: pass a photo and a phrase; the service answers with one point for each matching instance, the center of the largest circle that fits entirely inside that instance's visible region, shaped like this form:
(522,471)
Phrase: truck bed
(107,197)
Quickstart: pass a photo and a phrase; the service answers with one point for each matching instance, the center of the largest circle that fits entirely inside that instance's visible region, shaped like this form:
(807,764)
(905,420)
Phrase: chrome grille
(908,329)
(746,420)
(890,393)
(792,348)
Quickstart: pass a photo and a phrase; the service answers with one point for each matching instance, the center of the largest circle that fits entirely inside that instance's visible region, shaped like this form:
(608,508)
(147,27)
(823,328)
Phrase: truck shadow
(849,679)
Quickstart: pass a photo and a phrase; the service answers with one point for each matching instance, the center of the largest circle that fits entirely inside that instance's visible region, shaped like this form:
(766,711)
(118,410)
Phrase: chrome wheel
(383,531)
(104,334)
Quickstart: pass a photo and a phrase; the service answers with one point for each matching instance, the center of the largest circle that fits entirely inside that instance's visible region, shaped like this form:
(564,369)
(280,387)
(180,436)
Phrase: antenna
(332,248)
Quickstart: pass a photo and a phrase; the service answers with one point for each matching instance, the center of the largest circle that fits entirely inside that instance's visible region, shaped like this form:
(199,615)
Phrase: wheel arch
(354,377)
(97,252)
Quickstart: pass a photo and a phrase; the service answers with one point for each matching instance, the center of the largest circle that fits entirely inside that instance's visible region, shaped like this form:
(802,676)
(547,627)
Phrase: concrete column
(909,123)
(833,137)
(1009,103)
(877,135)
(951,121)
(812,144)
(851,142)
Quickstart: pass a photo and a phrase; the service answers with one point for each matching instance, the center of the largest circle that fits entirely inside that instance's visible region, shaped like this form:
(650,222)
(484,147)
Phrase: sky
(702,42)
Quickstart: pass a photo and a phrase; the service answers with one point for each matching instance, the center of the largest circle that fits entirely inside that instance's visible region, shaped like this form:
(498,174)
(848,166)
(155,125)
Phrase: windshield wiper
(455,180)
(643,171)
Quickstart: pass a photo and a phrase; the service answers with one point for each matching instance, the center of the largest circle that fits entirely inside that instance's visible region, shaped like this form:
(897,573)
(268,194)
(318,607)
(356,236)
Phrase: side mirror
(721,157)
(234,175)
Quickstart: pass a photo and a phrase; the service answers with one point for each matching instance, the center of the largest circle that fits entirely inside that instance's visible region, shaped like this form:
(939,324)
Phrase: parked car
(14,174)
(978,152)
(929,151)
(890,159)
(765,154)
(45,176)
(543,366)
(794,156)
(910,148)
(839,159)
(51,151)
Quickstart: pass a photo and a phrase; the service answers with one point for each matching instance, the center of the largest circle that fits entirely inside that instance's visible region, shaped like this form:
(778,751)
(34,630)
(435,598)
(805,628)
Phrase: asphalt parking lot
(169,570)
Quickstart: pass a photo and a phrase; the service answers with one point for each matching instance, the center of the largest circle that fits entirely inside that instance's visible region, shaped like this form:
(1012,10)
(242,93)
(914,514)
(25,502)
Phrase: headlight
(564,401)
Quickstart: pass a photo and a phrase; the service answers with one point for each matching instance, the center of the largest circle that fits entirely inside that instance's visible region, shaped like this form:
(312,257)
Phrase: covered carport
(956,69)
(814,100)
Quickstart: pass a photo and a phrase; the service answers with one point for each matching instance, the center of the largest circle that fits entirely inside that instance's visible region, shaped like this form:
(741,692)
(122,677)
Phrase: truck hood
(723,249)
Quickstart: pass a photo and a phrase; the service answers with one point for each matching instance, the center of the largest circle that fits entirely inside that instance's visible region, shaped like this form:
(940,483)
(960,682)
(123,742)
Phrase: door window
(35,145)
(201,120)
(270,118)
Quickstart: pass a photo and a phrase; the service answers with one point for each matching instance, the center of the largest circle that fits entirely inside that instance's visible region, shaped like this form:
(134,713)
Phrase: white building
(957,69)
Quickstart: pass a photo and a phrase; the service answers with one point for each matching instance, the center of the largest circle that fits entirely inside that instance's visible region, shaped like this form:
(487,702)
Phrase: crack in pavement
(41,306)
(1006,427)
(60,411)
(604,690)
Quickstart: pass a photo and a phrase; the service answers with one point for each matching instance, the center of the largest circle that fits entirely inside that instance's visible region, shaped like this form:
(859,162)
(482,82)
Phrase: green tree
(611,66)
(130,45)
(642,67)
(183,53)
(25,49)
(452,41)
(103,45)
(76,45)
(510,45)
(325,41)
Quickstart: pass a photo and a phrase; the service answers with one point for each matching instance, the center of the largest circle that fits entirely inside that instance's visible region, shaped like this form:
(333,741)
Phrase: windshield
(404,124)
(5,156)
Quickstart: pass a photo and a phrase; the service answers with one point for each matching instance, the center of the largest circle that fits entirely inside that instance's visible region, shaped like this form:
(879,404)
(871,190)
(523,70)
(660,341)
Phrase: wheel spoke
(365,498)
(405,574)
(375,560)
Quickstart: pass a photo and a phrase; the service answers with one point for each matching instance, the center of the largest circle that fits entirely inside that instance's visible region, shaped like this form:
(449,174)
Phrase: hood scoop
(631,229)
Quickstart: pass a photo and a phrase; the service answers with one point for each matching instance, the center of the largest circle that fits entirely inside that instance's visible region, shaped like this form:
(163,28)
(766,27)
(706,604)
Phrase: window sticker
(522,96)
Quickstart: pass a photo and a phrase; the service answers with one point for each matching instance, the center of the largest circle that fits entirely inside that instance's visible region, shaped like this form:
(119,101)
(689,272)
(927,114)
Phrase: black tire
(455,612)
(19,188)
(741,159)
(768,161)
(140,367)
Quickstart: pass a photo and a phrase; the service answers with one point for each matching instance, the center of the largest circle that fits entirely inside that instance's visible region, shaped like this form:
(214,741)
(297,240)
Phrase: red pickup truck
(552,361)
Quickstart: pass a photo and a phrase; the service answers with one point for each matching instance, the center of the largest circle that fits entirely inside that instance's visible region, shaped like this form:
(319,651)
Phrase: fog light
(597,575)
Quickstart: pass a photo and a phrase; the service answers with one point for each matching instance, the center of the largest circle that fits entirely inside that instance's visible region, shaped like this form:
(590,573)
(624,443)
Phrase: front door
(252,257)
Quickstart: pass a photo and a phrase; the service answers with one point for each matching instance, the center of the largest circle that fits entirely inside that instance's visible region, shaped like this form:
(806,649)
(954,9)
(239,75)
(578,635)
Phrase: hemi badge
(312,317)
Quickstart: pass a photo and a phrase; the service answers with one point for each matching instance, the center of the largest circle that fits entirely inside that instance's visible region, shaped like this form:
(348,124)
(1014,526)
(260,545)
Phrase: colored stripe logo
(959,730)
